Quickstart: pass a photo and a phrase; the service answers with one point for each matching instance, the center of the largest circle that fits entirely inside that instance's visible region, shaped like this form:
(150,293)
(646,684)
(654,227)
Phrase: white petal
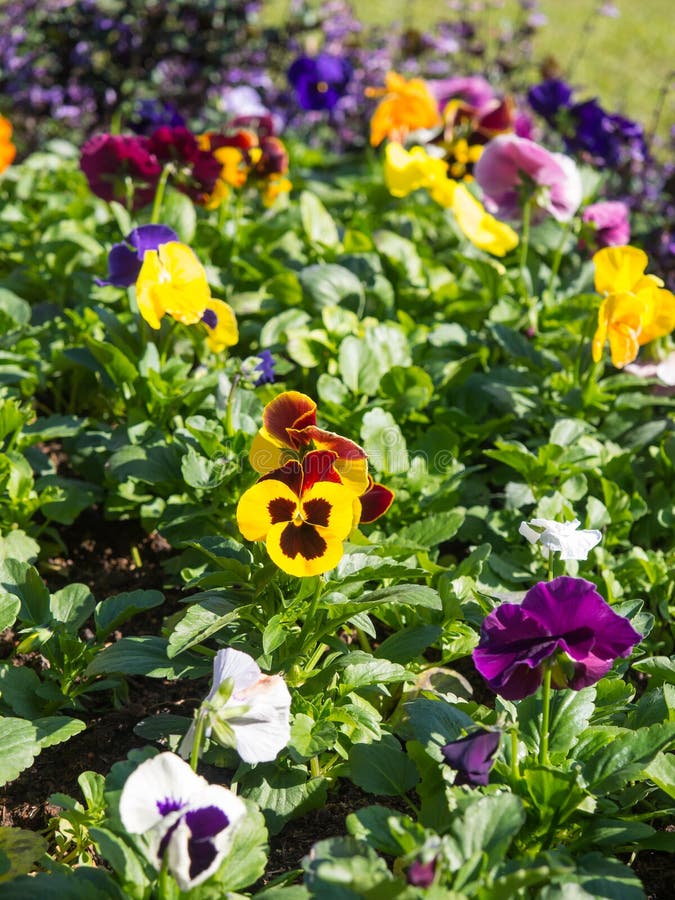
(165,778)
(577,546)
(234,664)
(264,729)
(528,533)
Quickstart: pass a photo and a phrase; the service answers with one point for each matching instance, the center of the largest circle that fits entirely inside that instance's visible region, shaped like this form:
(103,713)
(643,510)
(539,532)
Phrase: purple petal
(123,266)
(472,756)
(149,237)
(206,823)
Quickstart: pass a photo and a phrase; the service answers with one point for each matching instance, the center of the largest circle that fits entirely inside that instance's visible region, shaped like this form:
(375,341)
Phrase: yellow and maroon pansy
(221,325)
(302,513)
(289,429)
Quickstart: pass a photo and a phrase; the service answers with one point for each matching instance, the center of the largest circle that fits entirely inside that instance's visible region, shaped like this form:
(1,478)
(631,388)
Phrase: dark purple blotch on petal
(204,824)
(472,756)
(210,318)
(169,805)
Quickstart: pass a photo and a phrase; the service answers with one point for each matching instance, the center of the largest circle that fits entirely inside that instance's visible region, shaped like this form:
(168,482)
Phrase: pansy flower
(303,512)
(319,81)
(406,171)
(405,106)
(564,624)
(126,258)
(510,164)
(7,148)
(188,823)
(564,538)
(472,756)
(246,709)
(289,429)
(636,308)
(221,325)
(108,160)
(608,222)
(195,170)
(482,229)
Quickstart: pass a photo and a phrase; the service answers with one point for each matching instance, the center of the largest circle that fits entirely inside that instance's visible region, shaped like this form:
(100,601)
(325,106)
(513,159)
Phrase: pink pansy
(610,218)
(500,170)
(472,89)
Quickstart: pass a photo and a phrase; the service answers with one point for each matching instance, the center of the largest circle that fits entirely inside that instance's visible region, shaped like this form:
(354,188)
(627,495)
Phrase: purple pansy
(266,368)
(472,756)
(151,114)
(319,81)
(549,97)
(126,258)
(563,623)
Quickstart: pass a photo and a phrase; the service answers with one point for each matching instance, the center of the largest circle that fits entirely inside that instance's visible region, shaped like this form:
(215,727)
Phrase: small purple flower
(319,81)
(126,258)
(563,623)
(266,368)
(151,114)
(472,756)
(421,874)
(549,97)
(609,221)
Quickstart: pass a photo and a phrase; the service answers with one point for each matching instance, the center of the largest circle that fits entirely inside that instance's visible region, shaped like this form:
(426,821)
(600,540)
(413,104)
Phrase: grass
(626,61)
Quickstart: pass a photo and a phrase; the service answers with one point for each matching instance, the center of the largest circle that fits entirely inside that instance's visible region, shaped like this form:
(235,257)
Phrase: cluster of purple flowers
(605,138)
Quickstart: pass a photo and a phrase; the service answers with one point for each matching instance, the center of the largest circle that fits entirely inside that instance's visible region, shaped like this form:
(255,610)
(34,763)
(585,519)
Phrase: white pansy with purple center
(187,822)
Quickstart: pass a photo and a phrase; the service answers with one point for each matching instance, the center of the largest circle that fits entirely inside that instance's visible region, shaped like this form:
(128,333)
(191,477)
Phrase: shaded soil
(105,556)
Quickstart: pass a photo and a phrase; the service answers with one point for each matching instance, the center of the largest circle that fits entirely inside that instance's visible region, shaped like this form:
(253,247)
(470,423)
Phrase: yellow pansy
(221,325)
(407,171)
(172,282)
(636,308)
(482,229)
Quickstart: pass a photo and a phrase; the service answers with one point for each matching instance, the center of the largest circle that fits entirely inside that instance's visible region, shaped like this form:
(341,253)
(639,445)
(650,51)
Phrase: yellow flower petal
(263,506)
(618,269)
(225,332)
(353,473)
(406,106)
(148,297)
(482,229)
(172,281)
(406,171)
(303,550)
(329,506)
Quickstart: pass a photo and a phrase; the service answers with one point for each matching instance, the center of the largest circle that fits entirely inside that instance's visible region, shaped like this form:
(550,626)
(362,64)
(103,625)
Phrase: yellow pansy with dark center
(303,512)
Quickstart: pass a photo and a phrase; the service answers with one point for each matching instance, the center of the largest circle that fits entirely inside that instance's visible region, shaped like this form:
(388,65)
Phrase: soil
(102,558)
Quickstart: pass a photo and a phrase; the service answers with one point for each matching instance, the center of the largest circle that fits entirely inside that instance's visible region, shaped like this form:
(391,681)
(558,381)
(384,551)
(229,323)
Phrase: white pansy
(257,710)
(561,537)
(184,819)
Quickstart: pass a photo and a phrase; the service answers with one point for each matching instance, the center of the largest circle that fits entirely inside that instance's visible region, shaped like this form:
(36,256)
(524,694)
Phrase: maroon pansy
(108,160)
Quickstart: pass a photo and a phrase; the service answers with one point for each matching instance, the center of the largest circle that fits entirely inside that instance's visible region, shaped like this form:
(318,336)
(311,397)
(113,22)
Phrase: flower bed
(337,451)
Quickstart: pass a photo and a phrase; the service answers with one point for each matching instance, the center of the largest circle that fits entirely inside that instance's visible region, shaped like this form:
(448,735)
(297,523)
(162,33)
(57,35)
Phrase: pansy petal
(266,454)
(158,787)
(375,502)
(149,237)
(221,325)
(149,299)
(303,550)
(618,269)
(263,730)
(319,465)
(264,505)
(290,474)
(289,410)
(124,266)
(329,506)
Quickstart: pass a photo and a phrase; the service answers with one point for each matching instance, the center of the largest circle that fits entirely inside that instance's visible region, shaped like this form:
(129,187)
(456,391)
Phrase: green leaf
(384,443)
(308,738)
(203,619)
(18,747)
(72,605)
(612,766)
(373,825)
(9,610)
(14,312)
(22,849)
(246,858)
(118,609)
(344,869)
(433,723)
(382,769)
(25,583)
(570,713)
(146,656)
(554,794)
(179,213)
(596,878)
(282,793)
(408,643)
(317,221)
(63,499)
(330,285)
(52,730)
(121,858)
(485,831)
(430,531)
(661,770)
(83,883)
(356,675)
(659,668)
(16,544)
(359,367)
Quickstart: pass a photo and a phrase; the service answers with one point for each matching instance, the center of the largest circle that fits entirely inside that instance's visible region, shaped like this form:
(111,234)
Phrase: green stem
(531,302)
(549,566)
(159,193)
(128,193)
(200,725)
(314,767)
(364,643)
(166,342)
(229,423)
(514,754)
(557,259)
(314,658)
(545,717)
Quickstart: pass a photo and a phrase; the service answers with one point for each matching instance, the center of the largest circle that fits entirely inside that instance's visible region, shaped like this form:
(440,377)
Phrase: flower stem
(515,768)
(524,249)
(545,717)
(200,725)
(557,259)
(159,193)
